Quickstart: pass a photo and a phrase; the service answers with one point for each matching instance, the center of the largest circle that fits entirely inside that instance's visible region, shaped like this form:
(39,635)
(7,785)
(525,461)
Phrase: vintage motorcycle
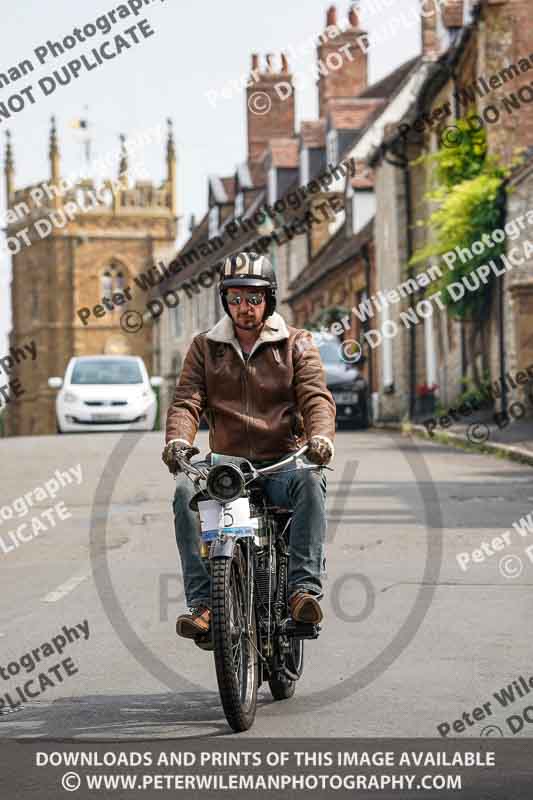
(244,543)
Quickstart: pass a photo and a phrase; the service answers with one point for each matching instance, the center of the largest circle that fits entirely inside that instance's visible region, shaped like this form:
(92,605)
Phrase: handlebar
(201,472)
(283,462)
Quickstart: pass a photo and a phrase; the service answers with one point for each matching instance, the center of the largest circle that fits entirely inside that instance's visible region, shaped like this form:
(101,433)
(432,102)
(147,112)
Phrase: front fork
(224,547)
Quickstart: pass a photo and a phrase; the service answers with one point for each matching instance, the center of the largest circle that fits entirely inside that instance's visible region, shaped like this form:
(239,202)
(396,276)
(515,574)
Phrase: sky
(196,52)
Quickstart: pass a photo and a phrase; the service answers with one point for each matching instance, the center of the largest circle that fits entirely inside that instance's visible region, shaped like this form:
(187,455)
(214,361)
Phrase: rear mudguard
(223,549)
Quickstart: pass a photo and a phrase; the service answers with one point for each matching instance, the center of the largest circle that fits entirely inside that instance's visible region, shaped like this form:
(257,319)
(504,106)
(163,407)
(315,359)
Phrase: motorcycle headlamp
(225,483)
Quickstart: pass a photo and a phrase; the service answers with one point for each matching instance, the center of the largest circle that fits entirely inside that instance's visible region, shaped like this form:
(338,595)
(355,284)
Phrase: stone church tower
(70,253)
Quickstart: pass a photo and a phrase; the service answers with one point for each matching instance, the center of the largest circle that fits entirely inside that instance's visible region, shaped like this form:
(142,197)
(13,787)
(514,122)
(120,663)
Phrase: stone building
(280,160)
(473,56)
(85,243)
(339,273)
(518,311)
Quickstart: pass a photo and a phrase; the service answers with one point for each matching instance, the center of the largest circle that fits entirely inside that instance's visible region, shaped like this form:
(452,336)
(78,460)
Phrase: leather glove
(175,450)
(320,451)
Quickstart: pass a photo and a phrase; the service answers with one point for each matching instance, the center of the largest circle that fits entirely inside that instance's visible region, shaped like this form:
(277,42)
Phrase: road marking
(64,589)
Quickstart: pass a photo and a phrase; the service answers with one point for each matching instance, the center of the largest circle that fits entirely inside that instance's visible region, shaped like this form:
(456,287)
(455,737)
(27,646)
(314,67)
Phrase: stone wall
(518,307)
(58,275)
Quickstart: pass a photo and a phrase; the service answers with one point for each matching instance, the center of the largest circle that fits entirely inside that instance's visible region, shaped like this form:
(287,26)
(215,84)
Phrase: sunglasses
(255,298)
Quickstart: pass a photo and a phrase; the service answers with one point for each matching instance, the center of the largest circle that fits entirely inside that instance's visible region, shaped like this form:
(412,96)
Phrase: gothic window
(112,280)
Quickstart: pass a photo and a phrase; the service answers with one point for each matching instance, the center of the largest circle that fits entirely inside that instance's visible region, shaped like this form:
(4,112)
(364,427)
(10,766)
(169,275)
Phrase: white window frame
(332,146)
(363,209)
(214,221)
(239,204)
(272,185)
(304,165)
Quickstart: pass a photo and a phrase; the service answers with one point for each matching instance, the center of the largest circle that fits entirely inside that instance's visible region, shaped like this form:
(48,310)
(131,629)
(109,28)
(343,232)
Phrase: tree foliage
(467,196)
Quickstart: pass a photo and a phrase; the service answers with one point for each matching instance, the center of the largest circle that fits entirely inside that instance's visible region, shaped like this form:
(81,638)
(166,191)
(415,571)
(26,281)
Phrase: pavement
(412,642)
(514,439)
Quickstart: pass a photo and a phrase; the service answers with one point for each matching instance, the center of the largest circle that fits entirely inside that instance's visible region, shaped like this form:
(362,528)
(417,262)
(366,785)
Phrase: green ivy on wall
(468,195)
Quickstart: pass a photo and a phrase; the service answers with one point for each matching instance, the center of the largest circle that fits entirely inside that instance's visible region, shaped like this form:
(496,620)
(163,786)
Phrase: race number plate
(233,518)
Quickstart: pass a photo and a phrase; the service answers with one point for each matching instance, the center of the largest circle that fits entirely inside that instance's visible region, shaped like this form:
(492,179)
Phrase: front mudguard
(223,548)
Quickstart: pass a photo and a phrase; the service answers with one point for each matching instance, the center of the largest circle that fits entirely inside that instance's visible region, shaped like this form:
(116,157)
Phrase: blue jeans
(304,491)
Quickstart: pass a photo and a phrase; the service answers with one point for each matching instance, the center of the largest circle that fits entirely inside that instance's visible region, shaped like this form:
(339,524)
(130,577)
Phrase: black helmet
(253,271)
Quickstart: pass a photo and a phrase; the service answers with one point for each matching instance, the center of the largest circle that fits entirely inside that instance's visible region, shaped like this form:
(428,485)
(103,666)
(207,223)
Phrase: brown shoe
(197,623)
(305,608)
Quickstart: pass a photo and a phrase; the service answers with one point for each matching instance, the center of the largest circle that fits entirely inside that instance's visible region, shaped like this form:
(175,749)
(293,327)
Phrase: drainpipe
(403,162)
(501,308)
(365,255)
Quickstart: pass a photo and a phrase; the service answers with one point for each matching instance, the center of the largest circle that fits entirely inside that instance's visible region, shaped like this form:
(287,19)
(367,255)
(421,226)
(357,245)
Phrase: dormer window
(214,221)
(332,147)
(239,205)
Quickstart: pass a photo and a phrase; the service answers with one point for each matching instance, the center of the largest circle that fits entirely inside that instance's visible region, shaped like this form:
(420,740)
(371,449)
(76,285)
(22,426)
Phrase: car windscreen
(330,351)
(105,371)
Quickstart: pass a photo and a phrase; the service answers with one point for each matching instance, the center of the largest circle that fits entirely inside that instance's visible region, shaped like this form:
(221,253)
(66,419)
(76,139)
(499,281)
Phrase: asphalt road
(410,641)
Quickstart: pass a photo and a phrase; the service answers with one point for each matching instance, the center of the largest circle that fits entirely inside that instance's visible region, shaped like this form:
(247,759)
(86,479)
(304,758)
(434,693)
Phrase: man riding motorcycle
(261,385)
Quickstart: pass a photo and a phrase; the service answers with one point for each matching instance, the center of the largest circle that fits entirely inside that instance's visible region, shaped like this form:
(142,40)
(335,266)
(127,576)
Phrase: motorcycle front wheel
(235,641)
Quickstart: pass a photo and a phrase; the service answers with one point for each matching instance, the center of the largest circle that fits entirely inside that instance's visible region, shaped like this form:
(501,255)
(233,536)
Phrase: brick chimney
(452,14)
(270,105)
(342,60)
(507,36)
(430,39)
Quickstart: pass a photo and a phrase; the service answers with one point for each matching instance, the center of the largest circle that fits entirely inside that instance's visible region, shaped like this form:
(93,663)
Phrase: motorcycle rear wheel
(282,687)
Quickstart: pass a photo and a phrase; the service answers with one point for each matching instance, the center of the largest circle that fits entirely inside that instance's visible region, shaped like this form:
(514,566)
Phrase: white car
(105,393)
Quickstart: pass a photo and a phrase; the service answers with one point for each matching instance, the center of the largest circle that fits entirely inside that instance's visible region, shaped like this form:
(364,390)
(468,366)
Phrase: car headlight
(70,397)
(225,483)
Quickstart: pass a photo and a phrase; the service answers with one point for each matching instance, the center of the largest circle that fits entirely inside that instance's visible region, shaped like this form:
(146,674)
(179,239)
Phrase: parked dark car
(345,382)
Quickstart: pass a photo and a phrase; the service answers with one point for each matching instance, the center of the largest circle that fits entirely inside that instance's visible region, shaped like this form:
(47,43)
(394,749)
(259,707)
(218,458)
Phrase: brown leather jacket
(261,409)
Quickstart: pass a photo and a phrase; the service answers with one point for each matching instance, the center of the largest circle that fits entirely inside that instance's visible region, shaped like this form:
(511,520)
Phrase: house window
(175,370)
(239,205)
(293,264)
(214,221)
(176,316)
(332,146)
(363,209)
(304,165)
(272,185)
(195,313)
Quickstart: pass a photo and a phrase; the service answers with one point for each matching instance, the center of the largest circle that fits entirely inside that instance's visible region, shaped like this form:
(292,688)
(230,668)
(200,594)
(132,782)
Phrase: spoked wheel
(235,641)
(281,686)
